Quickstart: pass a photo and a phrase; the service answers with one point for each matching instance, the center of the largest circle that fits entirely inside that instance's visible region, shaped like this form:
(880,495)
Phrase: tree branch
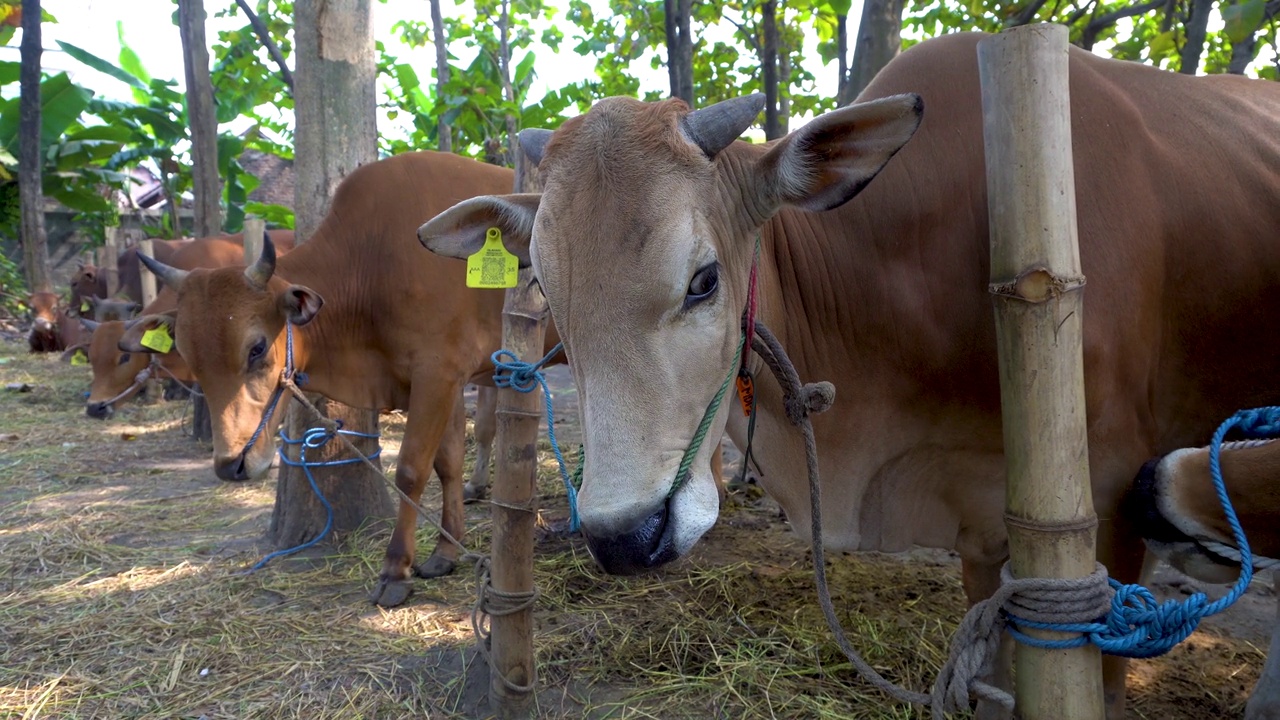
(264,35)
(1025,15)
(1102,22)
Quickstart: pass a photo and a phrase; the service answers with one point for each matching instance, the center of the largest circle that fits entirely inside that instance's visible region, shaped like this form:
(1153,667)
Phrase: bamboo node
(1037,284)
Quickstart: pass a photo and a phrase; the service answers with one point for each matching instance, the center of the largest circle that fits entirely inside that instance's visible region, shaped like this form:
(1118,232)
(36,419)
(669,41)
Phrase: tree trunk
(679,48)
(504,64)
(35,250)
(842,53)
(445,133)
(769,68)
(879,41)
(336,121)
(1197,28)
(784,85)
(206,186)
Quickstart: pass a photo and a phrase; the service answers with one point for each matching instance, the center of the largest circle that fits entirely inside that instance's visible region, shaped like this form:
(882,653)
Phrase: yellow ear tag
(158,339)
(85,306)
(79,358)
(492,266)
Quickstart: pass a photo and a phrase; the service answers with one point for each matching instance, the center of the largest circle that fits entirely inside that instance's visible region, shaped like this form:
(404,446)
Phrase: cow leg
(486,430)
(717,471)
(448,465)
(980,581)
(431,411)
(1264,704)
(1124,554)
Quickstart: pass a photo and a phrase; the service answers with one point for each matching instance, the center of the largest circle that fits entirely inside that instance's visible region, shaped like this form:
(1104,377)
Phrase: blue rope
(1138,626)
(526,377)
(313,438)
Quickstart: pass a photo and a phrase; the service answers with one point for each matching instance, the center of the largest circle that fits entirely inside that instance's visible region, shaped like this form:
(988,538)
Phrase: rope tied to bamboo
(492,602)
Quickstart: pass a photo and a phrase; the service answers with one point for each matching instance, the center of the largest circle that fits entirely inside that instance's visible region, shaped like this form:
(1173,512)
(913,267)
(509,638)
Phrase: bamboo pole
(147,247)
(515,499)
(1036,280)
(107,258)
(254,227)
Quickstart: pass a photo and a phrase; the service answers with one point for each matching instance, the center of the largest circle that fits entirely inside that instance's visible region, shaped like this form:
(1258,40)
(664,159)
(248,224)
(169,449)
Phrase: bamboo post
(254,227)
(515,498)
(1036,280)
(107,264)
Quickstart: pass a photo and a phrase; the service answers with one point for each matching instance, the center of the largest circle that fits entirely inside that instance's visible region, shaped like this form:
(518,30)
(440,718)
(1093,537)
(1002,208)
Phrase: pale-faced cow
(378,323)
(1175,505)
(643,240)
(52,328)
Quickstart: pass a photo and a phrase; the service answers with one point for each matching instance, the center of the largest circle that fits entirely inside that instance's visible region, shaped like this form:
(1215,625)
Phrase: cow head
(45,308)
(642,241)
(102,309)
(114,370)
(230,328)
(83,286)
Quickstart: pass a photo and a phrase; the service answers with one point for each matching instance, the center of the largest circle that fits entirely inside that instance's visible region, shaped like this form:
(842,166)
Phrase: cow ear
(832,158)
(300,304)
(131,340)
(459,232)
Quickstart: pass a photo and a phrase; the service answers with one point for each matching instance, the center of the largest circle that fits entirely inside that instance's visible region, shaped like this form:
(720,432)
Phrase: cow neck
(323,347)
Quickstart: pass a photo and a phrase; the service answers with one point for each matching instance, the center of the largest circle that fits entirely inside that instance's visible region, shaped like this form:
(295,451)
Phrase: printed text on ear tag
(158,339)
(492,266)
(746,391)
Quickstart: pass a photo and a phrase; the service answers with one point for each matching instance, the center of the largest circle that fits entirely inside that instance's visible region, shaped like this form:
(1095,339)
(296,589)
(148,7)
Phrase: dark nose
(233,469)
(99,410)
(641,548)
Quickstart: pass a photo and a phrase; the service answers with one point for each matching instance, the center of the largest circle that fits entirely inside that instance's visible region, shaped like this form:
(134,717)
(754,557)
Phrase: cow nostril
(234,469)
(645,546)
(99,410)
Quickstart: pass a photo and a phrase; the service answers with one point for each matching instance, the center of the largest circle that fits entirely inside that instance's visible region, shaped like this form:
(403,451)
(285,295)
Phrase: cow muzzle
(99,410)
(1164,539)
(646,546)
(233,469)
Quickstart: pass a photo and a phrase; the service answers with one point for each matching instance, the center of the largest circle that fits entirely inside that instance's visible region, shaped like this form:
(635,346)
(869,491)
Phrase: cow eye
(257,351)
(703,285)
(124,358)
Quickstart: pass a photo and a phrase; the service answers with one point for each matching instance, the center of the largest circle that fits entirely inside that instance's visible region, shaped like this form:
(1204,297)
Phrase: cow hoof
(435,566)
(391,593)
(474,493)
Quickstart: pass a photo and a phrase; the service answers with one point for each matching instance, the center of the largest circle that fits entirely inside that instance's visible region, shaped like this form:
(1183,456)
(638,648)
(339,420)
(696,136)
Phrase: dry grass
(120,597)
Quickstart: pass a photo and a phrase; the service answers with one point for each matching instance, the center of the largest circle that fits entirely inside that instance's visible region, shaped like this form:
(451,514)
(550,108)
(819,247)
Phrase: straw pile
(119,597)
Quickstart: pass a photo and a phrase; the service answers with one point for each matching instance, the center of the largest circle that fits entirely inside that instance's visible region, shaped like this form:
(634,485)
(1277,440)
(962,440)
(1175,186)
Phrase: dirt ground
(122,595)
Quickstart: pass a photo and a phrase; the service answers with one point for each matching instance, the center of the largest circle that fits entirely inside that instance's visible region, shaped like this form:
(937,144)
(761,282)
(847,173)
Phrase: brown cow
(885,295)
(398,329)
(1175,505)
(116,372)
(102,309)
(52,328)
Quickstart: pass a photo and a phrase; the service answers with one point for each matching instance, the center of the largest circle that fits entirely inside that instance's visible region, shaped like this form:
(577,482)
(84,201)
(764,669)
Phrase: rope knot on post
(526,377)
(491,602)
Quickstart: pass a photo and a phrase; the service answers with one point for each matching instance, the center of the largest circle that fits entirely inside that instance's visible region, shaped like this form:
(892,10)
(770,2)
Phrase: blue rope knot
(526,377)
(313,439)
(1137,626)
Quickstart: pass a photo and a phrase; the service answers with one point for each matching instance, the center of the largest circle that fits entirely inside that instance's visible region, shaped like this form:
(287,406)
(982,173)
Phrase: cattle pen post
(148,281)
(1036,281)
(515,497)
(254,227)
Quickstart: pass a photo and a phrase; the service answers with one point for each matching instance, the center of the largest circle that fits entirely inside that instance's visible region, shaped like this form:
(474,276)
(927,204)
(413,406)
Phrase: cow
(102,309)
(90,280)
(643,240)
(115,371)
(1174,504)
(52,329)
(377,323)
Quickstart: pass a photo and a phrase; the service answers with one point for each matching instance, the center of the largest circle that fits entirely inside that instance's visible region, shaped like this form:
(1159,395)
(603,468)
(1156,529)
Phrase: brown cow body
(885,295)
(115,371)
(398,329)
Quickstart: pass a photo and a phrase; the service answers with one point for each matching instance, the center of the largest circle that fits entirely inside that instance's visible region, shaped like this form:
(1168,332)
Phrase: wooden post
(1036,280)
(515,486)
(253,229)
(147,247)
(109,265)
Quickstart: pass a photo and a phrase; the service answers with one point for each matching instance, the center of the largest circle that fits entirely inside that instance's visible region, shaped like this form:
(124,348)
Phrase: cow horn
(171,276)
(262,270)
(88,324)
(712,128)
(534,142)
